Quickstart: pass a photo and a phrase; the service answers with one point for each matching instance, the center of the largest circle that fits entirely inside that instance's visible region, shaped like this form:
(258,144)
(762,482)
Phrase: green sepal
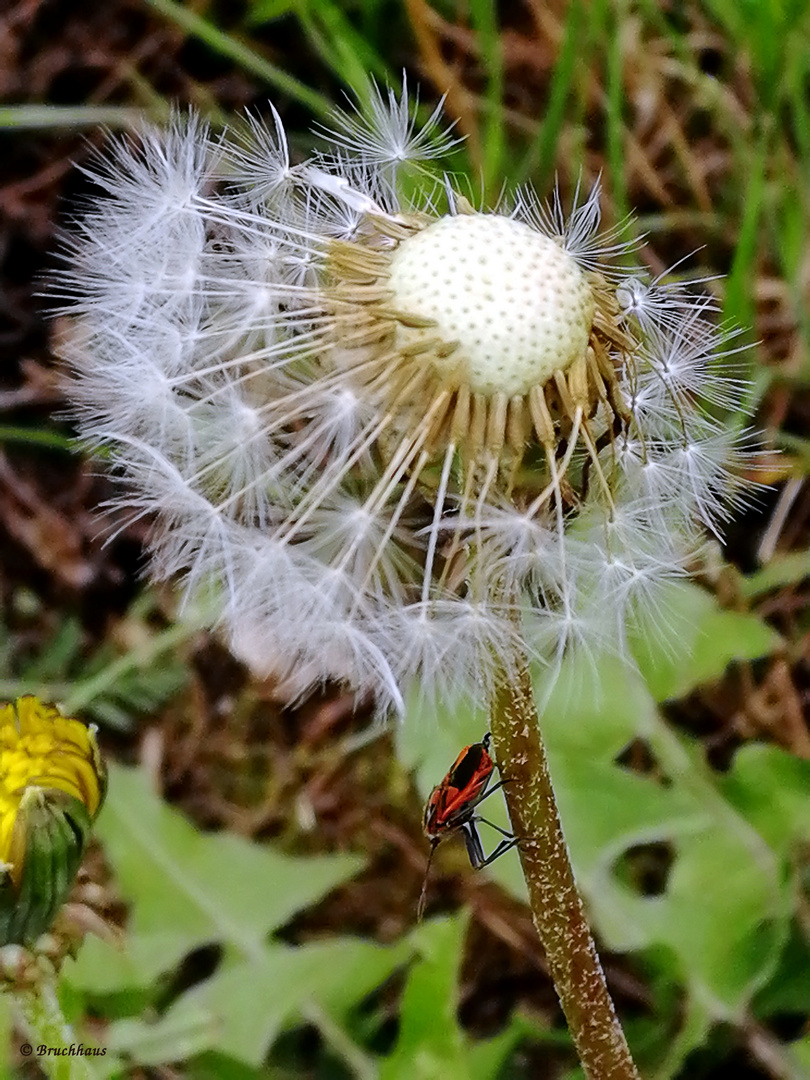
(50,836)
(100,768)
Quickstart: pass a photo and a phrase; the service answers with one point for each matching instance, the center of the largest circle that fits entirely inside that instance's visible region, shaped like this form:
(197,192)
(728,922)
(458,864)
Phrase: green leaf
(593,709)
(248,1004)
(7,1023)
(189,889)
(214,1066)
(789,569)
(168,1039)
(723,907)
(771,788)
(102,969)
(724,916)
(266,11)
(789,989)
(431,1045)
(800,1051)
(486,1057)
(704,640)
(674,1026)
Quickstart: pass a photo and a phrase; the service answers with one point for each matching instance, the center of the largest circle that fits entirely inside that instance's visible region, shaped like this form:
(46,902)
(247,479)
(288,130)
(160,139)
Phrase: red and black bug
(452,804)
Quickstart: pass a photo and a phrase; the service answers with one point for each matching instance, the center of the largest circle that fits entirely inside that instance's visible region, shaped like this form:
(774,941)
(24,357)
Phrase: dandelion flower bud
(51,788)
(393,435)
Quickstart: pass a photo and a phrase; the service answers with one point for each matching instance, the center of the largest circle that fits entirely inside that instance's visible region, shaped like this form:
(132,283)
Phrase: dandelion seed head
(393,441)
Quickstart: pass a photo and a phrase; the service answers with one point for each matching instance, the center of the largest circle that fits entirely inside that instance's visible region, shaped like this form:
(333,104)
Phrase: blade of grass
(795,198)
(484,18)
(261,12)
(343,49)
(242,54)
(55,440)
(25,117)
(708,92)
(613,106)
(541,154)
(796,76)
(738,306)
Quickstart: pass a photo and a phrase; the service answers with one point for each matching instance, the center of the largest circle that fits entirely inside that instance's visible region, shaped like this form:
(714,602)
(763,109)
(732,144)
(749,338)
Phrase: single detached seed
(517,303)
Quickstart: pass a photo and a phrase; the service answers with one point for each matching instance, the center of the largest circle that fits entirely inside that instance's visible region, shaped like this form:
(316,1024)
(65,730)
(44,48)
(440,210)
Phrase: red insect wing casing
(452,801)
(451,809)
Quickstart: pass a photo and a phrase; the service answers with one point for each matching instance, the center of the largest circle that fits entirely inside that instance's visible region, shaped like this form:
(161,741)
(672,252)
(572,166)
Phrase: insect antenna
(420,910)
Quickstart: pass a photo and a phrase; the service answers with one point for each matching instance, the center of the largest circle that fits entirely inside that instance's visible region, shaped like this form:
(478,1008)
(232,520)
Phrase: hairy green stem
(555,902)
(47,1030)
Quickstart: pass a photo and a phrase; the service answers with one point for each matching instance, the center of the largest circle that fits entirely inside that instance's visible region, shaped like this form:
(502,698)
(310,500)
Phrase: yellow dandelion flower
(51,788)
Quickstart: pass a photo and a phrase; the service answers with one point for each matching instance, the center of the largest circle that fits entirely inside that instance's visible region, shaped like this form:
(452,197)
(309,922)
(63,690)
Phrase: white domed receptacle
(515,300)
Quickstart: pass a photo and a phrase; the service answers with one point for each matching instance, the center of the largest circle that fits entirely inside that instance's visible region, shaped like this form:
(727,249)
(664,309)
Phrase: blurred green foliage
(108,685)
(719,936)
(717,928)
(716,938)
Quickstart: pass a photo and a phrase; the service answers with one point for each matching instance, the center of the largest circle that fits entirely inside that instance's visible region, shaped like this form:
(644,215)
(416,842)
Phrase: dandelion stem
(556,904)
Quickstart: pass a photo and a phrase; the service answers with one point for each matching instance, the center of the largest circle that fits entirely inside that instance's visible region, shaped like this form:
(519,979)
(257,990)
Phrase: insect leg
(504,832)
(491,791)
(501,849)
(475,849)
(472,841)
